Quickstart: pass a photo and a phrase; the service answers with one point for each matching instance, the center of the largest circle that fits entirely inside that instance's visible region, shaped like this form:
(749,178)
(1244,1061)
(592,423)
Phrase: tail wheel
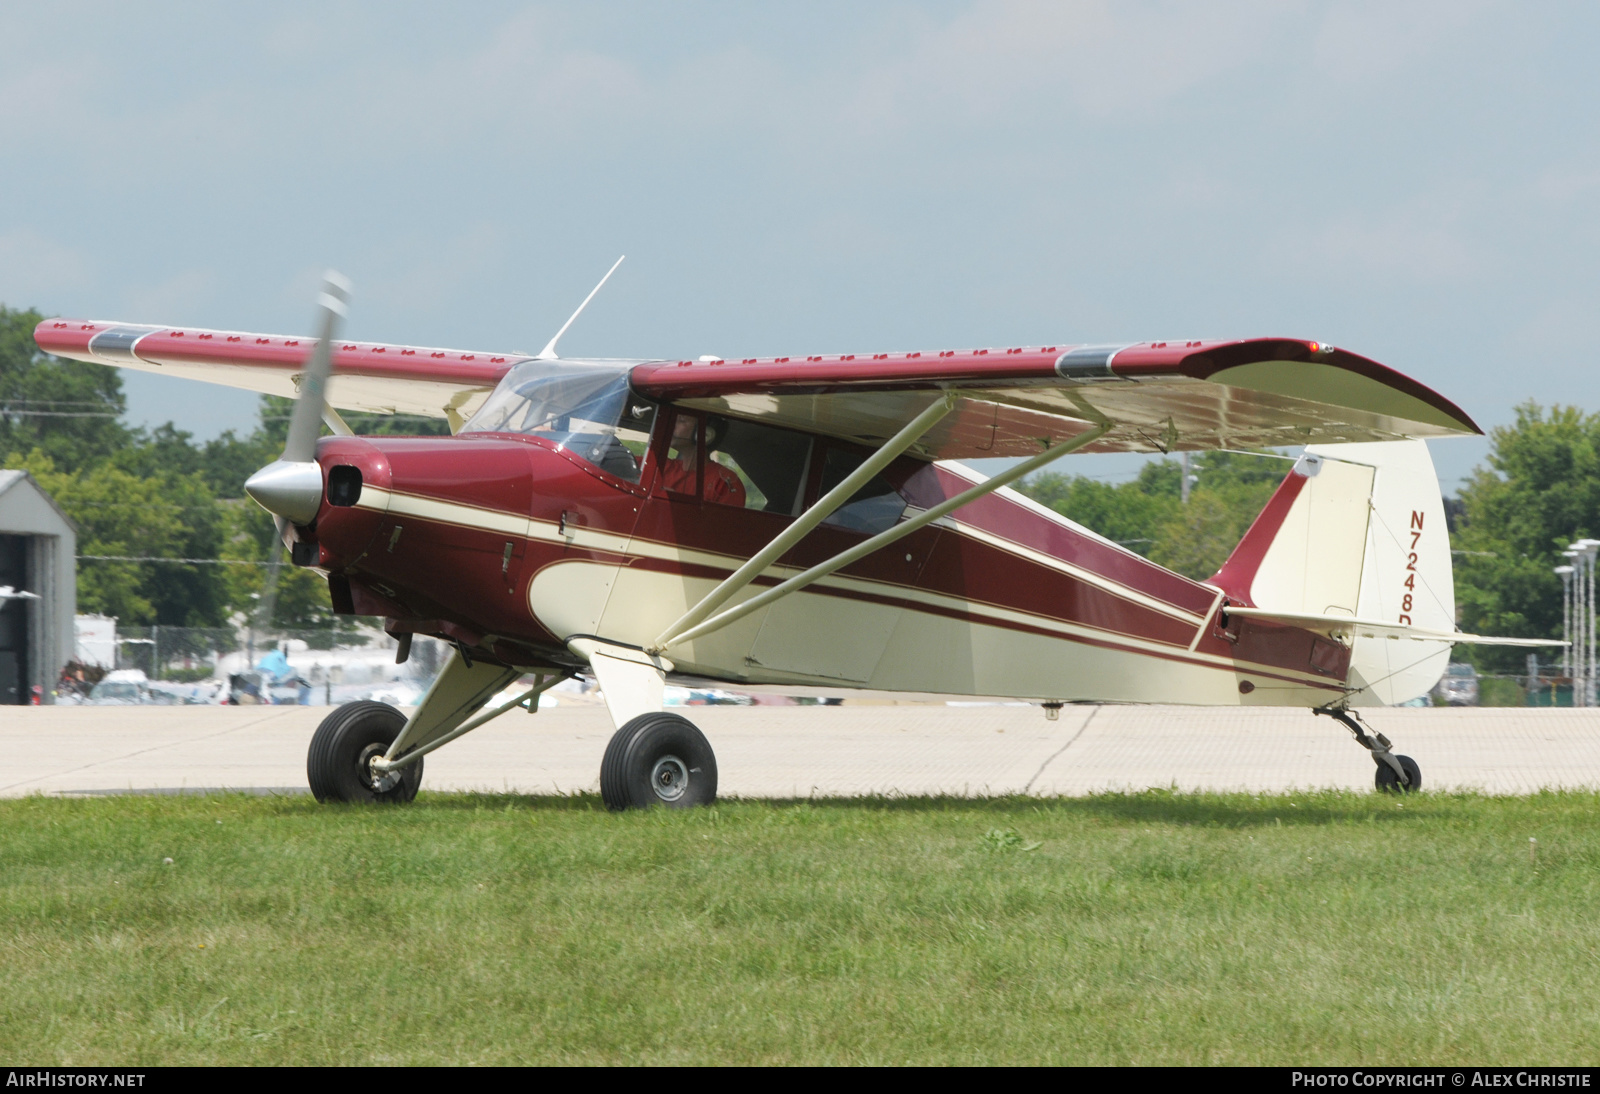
(339,763)
(658,759)
(1389,782)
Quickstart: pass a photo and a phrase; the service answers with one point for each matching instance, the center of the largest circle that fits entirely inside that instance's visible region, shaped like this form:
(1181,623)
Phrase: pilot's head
(716,429)
(683,431)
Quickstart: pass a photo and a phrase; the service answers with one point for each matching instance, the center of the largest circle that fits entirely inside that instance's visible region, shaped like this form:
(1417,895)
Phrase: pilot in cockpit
(722,485)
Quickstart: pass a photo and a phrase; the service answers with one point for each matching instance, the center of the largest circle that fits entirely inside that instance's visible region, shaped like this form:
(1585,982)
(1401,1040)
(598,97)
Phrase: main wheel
(658,759)
(339,763)
(1389,782)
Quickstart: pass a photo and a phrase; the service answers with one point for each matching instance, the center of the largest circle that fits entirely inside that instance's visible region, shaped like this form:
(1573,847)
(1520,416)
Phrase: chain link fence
(243,665)
(351,660)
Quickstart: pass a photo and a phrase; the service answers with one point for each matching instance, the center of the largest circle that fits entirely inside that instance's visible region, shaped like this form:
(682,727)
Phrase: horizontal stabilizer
(1344,626)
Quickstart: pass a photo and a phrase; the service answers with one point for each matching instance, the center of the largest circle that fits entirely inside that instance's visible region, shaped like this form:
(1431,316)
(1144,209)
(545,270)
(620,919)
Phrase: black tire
(336,765)
(1389,782)
(658,759)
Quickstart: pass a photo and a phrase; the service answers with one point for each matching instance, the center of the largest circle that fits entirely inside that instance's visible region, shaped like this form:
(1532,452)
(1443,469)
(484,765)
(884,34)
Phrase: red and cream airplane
(798,522)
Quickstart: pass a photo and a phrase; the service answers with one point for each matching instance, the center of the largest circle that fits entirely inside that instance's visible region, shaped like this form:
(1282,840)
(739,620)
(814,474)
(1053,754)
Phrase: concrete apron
(781,752)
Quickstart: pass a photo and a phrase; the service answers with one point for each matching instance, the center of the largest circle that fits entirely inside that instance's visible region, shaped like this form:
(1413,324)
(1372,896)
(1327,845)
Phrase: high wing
(1158,396)
(1161,396)
(368,376)
(1348,627)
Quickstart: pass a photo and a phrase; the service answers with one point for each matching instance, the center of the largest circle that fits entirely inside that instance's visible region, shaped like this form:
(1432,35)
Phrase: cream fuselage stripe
(396,503)
(1088,577)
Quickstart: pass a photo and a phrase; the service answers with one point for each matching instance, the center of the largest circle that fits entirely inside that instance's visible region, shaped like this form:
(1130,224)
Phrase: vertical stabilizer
(1357,530)
(1406,576)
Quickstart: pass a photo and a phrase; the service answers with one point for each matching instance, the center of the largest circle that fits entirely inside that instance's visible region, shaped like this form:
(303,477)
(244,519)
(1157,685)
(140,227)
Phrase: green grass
(1150,928)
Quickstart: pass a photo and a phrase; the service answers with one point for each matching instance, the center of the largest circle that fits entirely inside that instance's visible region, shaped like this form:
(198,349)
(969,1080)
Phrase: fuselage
(513,545)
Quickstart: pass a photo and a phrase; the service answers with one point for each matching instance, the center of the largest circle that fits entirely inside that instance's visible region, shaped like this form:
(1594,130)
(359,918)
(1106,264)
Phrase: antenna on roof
(549,351)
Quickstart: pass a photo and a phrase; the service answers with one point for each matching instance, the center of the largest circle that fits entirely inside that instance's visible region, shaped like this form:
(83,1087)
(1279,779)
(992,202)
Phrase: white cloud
(1563,185)
(188,297)
(522,83)
(1361,40)
(36,269)
(1426,242)
(437,276)
(40,97)
(1105,60)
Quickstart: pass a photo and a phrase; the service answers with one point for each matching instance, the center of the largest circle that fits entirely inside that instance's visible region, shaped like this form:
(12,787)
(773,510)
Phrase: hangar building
(38,549)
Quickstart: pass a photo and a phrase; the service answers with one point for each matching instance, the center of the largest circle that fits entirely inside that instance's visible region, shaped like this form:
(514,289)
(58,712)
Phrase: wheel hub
(380,783)
(669,778)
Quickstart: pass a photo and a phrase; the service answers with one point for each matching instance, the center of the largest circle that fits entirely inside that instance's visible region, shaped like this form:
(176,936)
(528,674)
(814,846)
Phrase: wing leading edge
(1163,396)
(368,376)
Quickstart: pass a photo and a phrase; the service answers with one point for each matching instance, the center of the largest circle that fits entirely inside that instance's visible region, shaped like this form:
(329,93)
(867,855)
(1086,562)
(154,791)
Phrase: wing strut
(808,520)
(882,539)
(336,422)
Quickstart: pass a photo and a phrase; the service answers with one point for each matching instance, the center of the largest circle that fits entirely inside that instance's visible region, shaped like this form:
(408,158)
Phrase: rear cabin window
(875,508)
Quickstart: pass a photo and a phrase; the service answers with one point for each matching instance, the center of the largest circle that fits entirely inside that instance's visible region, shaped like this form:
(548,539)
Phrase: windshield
(582,407)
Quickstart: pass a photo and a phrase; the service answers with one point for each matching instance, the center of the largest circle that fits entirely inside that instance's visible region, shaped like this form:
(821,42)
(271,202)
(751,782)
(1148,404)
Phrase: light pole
(1588,547)
(1578,650)
(1566,621)
(1575,651)
(1582,553)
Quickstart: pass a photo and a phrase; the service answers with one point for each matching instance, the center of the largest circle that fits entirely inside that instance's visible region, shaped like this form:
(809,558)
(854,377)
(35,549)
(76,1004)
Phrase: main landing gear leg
(1395,773)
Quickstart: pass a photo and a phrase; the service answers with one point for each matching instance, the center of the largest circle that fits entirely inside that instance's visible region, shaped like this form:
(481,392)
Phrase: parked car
(124,687)
(130,687)
(1458,687)
(201,693)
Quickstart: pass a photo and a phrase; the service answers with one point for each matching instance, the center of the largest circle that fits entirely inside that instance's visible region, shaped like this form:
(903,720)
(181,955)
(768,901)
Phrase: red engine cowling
(441,535)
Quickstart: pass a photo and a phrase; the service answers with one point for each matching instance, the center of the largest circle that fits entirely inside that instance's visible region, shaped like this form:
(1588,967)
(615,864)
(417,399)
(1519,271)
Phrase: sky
(1416,182)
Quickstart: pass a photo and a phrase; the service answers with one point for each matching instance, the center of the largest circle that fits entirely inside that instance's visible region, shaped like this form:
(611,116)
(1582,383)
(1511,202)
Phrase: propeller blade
(305,423)
(290,488)
(267,606)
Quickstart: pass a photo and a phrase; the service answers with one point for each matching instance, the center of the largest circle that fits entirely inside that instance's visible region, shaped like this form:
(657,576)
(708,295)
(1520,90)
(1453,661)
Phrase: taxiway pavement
(795,751)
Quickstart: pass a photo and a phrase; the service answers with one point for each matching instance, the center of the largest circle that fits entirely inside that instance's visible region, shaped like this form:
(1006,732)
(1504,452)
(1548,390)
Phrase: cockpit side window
(771,463)
(678,467)
(584,408)
(732,462)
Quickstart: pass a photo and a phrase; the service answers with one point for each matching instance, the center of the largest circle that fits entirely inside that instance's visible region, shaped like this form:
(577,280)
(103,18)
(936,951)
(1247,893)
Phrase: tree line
(140,495)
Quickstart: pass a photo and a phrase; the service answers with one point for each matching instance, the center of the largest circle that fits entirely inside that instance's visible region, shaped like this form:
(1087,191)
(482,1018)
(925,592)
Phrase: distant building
(39,586)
